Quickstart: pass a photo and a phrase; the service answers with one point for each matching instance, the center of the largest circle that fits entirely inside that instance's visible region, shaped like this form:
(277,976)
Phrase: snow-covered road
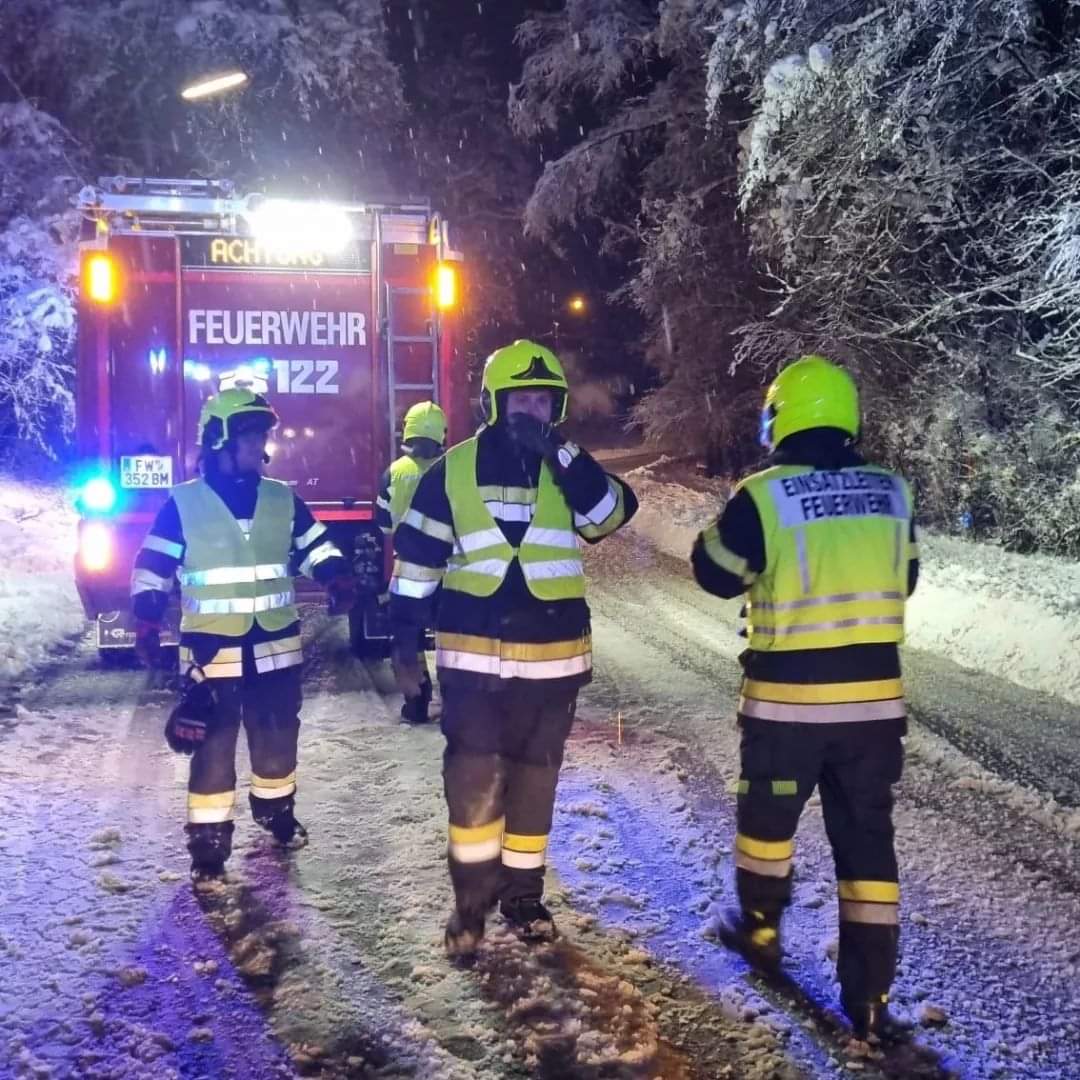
(328,962)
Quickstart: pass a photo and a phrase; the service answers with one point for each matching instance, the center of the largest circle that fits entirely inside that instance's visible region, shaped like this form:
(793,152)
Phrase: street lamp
(577,304)
(215,85)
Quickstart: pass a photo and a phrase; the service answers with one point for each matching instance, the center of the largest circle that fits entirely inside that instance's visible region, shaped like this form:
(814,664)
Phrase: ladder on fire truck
(396,344)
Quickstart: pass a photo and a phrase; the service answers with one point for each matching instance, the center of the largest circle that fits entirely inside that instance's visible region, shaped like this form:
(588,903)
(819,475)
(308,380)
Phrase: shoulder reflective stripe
(418,590)
(837,624)
(562,538)
(306,538)
(841,712)
(875,914)
(326,550)
(147,581)
(823,693)
(823,601)
(235,575)
(551,568)
(428,526)
(602,510)
(417,572)
(483,538)
(245,605)
(166,547)
(516,512)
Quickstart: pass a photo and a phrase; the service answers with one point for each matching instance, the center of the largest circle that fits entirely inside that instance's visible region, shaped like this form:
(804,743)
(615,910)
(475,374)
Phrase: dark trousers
(503,753)
(268,707)
(854,765)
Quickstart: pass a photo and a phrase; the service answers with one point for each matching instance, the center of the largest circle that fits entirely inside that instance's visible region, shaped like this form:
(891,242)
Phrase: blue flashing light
(157,359)
(98,495)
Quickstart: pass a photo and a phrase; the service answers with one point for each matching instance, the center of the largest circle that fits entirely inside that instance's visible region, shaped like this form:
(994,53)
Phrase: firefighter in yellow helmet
(233,537)
(423,439)
(499,522)
(824,545)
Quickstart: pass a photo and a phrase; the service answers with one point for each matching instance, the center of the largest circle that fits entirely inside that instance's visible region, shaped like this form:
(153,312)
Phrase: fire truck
(343,315)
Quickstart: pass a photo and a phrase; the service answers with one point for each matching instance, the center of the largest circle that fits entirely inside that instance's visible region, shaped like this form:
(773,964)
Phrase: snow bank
(1015,616)
(39,606)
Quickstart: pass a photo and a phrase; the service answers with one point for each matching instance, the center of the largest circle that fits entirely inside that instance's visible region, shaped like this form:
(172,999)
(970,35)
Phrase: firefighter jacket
(397,489)
(234,541)
(825,546)
(501,530)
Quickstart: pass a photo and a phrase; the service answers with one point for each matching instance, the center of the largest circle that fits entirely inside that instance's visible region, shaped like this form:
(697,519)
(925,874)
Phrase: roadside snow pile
(39,606)
(1014,616)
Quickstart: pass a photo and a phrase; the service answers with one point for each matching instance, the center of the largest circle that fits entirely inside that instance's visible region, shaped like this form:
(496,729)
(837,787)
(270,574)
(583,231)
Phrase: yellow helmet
(425,420)
(813,392)
(219,415)
(524,365)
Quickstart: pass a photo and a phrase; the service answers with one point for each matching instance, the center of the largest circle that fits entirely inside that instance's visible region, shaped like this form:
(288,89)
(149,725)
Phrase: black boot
(754,937)
(209,846)
(464,932)
(529,919)
(872,1020)
(415,710)
(276,816)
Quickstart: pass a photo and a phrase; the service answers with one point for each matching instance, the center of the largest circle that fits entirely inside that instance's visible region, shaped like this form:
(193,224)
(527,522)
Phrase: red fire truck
(343,315)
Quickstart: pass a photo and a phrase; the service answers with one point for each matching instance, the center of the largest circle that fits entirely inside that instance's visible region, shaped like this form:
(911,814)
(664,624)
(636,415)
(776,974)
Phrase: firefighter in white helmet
(423,439)
(498,522)
(233,536)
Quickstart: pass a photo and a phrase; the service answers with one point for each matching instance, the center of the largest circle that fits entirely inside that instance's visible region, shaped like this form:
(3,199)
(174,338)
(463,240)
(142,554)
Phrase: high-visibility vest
(550,551)
(405,475)
(229,581)
(836,557)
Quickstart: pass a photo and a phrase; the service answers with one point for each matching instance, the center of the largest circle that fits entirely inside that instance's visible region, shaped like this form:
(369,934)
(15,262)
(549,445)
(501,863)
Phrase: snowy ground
(328,962)
(39,607)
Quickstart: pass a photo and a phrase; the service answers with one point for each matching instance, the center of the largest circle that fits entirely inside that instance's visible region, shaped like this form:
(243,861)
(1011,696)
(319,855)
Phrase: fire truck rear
(342,315)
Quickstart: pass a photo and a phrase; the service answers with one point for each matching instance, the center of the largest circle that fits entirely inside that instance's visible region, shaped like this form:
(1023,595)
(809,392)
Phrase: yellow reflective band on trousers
(210,809)
(229,581)
(823,693)
(405,474)
(837,547)
(268,787)
(275,655)
(873,902)
(769,858)
(824,703)
(513,659)
(550,551)
(520,852)
(226,663)
(476,843)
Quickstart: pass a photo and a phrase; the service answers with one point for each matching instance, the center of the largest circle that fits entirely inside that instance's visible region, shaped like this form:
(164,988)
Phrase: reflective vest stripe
(515,512)
(560,538)
(512,669)
(551,568)
(234,575)
(837,624)
(482,538)
(241,605)
(821,601)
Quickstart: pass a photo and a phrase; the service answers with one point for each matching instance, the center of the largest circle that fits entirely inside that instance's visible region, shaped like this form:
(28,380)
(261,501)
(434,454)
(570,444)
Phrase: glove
(404,660)
(342,590)
(185,730)
(530,434)
(147,642)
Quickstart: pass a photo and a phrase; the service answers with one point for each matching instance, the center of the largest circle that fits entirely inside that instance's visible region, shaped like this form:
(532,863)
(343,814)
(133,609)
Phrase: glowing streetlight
(209,87)
(577,304)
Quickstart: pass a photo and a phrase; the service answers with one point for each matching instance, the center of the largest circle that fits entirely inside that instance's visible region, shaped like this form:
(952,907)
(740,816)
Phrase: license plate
(145,471)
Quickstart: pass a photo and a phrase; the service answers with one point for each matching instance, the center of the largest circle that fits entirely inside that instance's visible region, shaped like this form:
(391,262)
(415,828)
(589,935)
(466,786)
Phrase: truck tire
(363,647)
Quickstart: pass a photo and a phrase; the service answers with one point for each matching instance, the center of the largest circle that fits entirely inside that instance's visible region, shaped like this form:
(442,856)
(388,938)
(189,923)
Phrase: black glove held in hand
(530,433)
(342,590)
(187,725)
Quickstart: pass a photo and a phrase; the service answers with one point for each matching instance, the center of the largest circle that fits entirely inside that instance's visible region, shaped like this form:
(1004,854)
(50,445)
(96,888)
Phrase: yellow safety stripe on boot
(823,693)
(267,787)
(520,852)
(210,809)
(477,843)
(226,663)
(873,892)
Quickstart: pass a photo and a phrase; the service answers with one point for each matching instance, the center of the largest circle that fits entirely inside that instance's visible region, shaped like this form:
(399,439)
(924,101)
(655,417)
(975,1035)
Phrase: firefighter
(423,441)
(231,535)
(824,545)
(499,522)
